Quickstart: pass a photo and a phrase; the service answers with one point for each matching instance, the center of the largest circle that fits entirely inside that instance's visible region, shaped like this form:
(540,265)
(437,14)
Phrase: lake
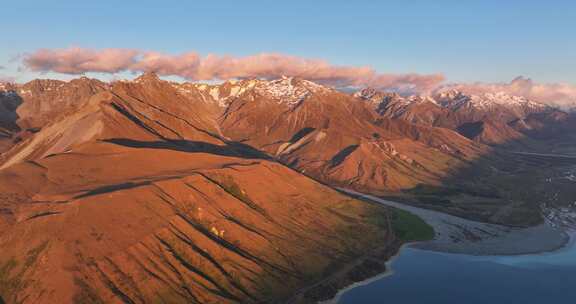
(421,276)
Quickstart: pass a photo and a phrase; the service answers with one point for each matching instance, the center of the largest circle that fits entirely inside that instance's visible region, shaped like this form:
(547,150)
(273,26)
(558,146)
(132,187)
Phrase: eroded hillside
(133,197)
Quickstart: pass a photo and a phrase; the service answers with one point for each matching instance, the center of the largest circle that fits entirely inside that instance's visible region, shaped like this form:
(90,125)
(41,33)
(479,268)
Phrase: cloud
(560,95)
(78,60)
(192,66)
(2,67)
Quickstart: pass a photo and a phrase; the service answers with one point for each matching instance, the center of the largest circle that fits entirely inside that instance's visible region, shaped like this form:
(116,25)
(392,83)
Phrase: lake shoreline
(561,239)
(389,271)
(332,288)
(361,269)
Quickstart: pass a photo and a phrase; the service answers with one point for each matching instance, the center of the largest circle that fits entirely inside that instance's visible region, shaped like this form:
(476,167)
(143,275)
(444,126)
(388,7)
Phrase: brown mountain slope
(338,139)
(44,100)
(330,136)
(25,109)
(132,199)
(420,156)
(205,232)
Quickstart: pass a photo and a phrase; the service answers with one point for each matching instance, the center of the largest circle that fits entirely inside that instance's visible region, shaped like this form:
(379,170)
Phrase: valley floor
(459,235)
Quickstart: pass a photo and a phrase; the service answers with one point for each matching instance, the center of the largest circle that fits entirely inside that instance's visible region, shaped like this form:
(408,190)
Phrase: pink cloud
(78,60)
(560,95)
(194,67)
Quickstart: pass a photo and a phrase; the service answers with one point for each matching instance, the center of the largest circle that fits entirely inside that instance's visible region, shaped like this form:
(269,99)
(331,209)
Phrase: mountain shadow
(232,149)
(341,156)
(9,129)
(518,183)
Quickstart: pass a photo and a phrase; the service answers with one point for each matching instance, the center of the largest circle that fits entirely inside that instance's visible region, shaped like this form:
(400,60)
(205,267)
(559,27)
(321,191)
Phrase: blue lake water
(421,276)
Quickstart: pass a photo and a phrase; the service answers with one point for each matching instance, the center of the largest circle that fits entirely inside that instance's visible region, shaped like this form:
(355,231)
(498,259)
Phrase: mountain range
(150,190)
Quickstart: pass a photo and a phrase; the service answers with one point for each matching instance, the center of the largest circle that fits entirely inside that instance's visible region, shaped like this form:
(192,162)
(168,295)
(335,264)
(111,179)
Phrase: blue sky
(490,41)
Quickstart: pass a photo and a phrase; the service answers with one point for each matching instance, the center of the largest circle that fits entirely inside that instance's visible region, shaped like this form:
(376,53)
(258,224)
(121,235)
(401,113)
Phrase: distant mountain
(488,118)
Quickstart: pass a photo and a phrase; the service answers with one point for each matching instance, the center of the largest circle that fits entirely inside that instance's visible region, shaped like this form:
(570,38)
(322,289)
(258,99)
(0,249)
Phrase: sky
(464,41)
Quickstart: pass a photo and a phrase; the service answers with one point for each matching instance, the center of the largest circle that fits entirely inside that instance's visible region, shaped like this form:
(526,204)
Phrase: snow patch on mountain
(284,91)
(221,94)
(453,99)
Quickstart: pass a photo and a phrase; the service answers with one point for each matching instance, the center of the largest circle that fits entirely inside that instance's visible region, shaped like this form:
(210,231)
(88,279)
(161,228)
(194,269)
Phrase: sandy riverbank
(457,235)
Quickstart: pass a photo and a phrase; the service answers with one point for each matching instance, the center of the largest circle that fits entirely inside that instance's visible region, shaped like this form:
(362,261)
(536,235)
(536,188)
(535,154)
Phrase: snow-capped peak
(456,99)
(219,93)
(283,90)
(289,90)
(383,98)
(453,100)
